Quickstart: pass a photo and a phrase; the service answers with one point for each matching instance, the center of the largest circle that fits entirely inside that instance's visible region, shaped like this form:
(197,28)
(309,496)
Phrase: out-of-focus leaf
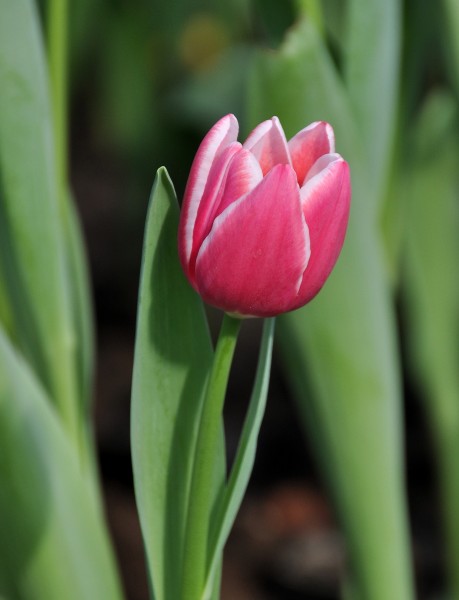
(451,25)
(6,318)
(81,304)
(245,457)
(333,17)
(173,355)
(393,220)
(342,345)
(430,286)
(372,59)
(32,253)
(52,541)
(418,57)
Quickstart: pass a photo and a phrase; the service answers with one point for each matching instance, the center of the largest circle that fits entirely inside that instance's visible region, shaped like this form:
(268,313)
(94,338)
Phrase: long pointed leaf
(81,304)
(32,252)
(372,63)
(342,345)
(52,540)
(431,297)
(173,355)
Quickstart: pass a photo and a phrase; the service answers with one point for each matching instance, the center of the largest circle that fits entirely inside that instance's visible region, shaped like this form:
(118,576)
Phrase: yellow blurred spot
(202,42)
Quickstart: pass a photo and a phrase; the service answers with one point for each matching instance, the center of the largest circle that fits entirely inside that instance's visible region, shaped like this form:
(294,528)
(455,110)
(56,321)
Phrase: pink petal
(319,167)
(234,173)
(308,145)
(253,260)
(244,174)
(325,198)
(222,134)
(210,200)
(268,144)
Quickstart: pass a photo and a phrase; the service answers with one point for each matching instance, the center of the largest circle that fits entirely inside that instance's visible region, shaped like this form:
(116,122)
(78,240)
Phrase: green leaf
(431,295)
(313,10)
(371,65)
(173,356)
(451,26)
(6,318)
(393,220)
(245,457)
(81,304)
(53,544)
(342,346)
(334,17)
(32,251)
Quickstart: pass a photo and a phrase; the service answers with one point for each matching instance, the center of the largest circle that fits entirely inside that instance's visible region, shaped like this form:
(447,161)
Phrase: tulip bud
(263,223)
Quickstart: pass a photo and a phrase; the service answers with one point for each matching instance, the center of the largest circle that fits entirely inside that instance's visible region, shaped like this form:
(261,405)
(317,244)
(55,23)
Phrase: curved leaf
(32,250)
(342,346)
(371,72)
(52,544)
(430,288)
(173,355)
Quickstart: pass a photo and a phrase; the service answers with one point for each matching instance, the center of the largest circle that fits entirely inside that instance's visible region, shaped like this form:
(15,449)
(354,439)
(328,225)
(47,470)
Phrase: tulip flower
(263,222)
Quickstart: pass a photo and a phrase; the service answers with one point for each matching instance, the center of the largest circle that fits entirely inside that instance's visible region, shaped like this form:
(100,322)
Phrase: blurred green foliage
(147,80)
(154,79)
(160,78)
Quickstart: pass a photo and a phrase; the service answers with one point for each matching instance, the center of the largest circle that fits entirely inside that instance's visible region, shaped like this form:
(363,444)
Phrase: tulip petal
(308,145)
(253,260)
(234,173)
(210,199)
(319,167)
(222,134)
(268,144)
(244,174)
(325,199)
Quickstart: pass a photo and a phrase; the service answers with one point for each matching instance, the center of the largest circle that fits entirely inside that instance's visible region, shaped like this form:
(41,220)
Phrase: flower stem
(202,488)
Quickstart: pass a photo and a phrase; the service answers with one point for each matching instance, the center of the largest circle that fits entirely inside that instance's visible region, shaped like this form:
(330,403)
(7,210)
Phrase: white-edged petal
(268,144)
(222,134)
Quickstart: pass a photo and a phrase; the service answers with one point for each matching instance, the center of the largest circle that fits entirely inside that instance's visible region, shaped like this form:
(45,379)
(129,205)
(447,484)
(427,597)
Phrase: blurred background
(147,80)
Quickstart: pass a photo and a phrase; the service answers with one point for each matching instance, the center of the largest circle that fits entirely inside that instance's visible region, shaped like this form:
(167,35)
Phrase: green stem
(201,491)
(57,25)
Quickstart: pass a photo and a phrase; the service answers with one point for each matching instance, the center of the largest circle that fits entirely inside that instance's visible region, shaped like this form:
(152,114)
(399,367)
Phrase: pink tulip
(263,223)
